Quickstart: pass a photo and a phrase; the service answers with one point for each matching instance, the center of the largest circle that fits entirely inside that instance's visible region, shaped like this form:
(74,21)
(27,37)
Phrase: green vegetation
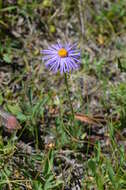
(50,151)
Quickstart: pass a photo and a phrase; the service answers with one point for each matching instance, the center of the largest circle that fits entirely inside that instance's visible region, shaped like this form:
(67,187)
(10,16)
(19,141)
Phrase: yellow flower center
(62,52)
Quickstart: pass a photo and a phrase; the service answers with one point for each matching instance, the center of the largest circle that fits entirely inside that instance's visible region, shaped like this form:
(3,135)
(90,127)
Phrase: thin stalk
(36,137)
(68,94)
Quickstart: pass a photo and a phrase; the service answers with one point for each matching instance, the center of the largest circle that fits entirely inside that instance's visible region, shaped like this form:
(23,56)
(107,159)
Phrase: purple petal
(73,64)
(47,51)
(64,64)
(55,47)
(75,59)
(58,64)
(74,54)
(53,65)
(47,58)
(50,61)
(59,44)
(72,46)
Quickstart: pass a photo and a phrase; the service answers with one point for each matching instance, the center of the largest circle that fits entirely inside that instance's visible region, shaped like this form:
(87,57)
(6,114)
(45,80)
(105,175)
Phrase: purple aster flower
(63,58)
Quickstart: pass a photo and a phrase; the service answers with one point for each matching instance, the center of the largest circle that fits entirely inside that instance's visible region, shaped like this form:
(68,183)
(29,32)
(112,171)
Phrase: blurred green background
(48,152)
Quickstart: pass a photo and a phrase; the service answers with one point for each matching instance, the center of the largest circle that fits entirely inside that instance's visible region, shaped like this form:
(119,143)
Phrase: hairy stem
(68,94)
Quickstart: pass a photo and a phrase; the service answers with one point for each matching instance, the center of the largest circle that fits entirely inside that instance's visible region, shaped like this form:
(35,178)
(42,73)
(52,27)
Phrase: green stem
(68,94)
(36,137)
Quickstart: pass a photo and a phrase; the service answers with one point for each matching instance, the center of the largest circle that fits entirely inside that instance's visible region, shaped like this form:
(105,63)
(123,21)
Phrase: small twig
(80,5)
